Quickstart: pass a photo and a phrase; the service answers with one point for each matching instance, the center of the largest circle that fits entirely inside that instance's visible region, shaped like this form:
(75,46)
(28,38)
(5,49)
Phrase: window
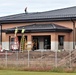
(11,41)
(61,41)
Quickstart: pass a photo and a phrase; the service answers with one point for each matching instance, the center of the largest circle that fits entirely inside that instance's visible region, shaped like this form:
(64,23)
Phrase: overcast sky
(10,7)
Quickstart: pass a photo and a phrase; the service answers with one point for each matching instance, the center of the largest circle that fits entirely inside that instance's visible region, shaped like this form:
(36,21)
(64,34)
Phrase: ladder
(22,43)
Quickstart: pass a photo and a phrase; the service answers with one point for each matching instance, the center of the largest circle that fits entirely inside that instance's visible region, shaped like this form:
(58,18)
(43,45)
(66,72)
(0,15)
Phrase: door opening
(41,42)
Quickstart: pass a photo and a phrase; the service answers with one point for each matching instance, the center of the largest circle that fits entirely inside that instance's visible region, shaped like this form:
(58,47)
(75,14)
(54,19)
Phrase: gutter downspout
(0,34)
(73,33)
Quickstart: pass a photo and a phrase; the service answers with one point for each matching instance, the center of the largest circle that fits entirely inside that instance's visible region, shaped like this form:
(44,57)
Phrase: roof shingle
(59,13)
(40,28)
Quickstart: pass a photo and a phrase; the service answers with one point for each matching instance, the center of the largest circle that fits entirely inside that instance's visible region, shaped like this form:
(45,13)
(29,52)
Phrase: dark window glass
(61,40)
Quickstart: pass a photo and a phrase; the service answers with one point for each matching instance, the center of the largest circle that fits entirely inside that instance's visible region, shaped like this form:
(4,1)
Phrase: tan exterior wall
(5,37)
(75,31)
(6,26)
(68,24)
(68,36)
(75,24)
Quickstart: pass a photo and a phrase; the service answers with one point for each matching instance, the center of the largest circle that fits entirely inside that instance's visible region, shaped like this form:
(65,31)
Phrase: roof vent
(26,10)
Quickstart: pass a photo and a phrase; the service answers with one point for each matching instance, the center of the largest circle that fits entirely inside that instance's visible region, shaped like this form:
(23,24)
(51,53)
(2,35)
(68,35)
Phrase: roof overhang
(38,20)
(35,28)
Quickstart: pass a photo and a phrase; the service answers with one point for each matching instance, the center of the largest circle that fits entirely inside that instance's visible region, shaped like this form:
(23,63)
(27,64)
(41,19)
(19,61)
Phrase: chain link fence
(38,58)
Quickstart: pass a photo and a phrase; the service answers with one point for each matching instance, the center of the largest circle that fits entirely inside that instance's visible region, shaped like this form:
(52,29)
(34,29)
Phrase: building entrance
(41,42)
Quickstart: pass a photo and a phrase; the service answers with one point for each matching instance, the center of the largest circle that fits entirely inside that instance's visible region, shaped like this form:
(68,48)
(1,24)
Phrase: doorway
(41,42)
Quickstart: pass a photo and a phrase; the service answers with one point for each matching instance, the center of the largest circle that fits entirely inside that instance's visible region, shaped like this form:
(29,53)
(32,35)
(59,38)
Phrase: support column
(29,42)
(5,42)
(54,42)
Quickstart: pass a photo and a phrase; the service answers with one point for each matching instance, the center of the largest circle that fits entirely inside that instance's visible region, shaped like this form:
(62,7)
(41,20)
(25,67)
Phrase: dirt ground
(36,58)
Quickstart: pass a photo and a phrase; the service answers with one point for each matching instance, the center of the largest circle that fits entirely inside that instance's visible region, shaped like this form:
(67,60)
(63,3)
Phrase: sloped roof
(53,14)
(40,28)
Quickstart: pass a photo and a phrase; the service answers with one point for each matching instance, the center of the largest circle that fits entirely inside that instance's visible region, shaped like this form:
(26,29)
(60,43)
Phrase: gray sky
(10,7)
